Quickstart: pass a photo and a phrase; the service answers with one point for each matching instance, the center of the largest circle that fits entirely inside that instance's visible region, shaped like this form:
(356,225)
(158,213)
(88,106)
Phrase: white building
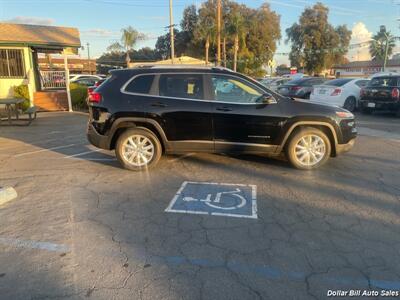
(365,68)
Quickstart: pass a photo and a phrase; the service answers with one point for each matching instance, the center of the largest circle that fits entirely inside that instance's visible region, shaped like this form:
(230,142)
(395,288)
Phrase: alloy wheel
(310,150)
(138,150)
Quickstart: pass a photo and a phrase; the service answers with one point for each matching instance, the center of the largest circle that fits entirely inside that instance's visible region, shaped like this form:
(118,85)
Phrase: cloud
(31,20)
(359,34)
(98,32)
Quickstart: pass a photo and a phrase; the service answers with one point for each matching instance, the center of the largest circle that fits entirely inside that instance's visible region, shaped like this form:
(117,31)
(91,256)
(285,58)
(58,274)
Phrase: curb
(7,194)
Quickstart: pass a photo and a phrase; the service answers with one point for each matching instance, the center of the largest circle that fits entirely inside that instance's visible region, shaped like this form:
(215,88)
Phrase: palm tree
(130,37)
(206,30)
(377,48)
(236,28)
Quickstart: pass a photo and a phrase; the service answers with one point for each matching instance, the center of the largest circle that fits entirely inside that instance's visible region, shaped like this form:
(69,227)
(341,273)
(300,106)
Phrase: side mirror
(268,99)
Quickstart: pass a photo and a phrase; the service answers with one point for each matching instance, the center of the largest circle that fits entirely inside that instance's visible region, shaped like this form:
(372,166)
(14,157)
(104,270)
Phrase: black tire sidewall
(349,100)
(135,131)
(290,149)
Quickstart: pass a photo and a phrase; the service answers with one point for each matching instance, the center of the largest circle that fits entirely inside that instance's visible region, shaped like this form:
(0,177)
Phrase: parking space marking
(216,199)
(82,153)
(44,150)
(7,241)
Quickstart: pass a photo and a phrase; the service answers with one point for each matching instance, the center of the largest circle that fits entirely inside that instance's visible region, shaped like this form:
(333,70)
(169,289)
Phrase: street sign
(217,199)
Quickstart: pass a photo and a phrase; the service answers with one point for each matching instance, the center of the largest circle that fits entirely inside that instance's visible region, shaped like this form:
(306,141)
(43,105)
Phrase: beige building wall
(7,84)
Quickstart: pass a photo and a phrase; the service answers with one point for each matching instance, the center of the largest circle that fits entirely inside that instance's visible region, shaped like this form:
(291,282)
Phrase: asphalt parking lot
(82,227)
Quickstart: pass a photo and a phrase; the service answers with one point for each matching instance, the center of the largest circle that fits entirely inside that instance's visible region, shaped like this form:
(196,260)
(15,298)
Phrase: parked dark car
(144,112)
(381,93)
(300,88)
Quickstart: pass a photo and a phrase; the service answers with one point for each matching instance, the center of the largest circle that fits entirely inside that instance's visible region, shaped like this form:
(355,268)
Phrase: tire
(148,155)
(298,142)
(366,110)
(350,104)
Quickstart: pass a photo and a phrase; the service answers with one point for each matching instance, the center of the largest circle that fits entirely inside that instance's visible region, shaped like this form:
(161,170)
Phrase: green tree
(115,47)
(129,39)
(236,28)
(316,44)
(163,44)
(205,31)
(377,47)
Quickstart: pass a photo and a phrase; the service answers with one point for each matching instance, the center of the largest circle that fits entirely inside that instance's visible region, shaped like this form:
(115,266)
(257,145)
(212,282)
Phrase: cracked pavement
(337,227)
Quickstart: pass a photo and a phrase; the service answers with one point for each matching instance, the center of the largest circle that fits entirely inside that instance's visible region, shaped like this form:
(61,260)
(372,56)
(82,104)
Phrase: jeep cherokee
(146,111)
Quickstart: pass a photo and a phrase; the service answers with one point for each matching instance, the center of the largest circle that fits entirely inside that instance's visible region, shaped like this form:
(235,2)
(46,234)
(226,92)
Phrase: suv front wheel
(138,149)
(309,148)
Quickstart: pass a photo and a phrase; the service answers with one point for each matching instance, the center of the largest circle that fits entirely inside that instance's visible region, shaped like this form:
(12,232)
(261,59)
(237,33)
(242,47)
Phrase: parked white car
(75,77)
(342,92)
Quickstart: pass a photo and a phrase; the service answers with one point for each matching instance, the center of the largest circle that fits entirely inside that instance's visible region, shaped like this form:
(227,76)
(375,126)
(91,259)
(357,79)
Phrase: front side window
(11,63)
(229,89)
(141,84)
(188,86)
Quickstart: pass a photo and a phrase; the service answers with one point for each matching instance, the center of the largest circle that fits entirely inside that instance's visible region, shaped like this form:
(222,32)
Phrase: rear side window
(181,86)
(383,81)
(362,83)
(140,84)
(338,82)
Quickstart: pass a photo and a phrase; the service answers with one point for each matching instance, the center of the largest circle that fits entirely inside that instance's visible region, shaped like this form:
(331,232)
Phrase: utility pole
(218,32)
(383,31)
(88,57)
(171,31)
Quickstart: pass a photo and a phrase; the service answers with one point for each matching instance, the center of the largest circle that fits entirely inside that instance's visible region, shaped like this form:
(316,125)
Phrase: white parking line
(44,150)
(82,153)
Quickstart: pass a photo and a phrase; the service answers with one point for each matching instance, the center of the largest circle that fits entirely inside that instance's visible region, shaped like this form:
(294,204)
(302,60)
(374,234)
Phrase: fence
(52,79)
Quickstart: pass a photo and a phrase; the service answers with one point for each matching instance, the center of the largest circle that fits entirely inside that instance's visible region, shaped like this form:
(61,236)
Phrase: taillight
(94,97)
(395,93)
(97,83)
(336,92)
(90,90)
(295,88)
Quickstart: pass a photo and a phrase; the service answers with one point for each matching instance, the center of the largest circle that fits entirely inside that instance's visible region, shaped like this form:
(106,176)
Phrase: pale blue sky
(100,21)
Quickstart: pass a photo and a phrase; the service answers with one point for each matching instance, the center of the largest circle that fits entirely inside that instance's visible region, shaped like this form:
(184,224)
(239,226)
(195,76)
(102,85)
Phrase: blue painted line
(34,244)
(274,273)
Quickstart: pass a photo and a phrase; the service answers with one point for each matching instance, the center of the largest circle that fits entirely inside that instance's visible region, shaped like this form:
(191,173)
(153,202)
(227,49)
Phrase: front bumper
(341,148)
(96,139)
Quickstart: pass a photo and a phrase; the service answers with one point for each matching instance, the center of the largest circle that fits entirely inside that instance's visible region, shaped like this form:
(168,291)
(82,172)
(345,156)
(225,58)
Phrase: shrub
(78,95)
(22,91)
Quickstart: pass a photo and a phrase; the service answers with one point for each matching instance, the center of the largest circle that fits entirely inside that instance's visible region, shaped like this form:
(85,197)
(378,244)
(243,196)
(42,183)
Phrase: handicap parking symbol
(217,199)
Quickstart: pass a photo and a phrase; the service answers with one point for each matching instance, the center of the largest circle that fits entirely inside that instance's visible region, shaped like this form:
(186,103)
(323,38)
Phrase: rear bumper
(381,105)
(342,148)
(96,139)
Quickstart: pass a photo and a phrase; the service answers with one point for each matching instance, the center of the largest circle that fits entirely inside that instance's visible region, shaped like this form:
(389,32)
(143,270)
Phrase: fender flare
(119,123)
(311,123)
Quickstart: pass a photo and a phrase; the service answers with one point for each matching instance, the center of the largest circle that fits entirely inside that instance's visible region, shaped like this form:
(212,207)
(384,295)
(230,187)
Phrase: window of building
(11,63)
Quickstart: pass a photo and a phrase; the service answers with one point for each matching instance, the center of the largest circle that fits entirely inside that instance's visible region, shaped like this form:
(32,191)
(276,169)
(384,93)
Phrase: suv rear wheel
(309,148)
(138,149)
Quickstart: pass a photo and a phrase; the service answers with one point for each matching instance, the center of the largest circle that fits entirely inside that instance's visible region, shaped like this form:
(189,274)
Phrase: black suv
(381,93)
(144,112)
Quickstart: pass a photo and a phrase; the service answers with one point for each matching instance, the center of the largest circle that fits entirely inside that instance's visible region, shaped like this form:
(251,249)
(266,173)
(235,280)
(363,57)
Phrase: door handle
(224,108)
(159,104)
